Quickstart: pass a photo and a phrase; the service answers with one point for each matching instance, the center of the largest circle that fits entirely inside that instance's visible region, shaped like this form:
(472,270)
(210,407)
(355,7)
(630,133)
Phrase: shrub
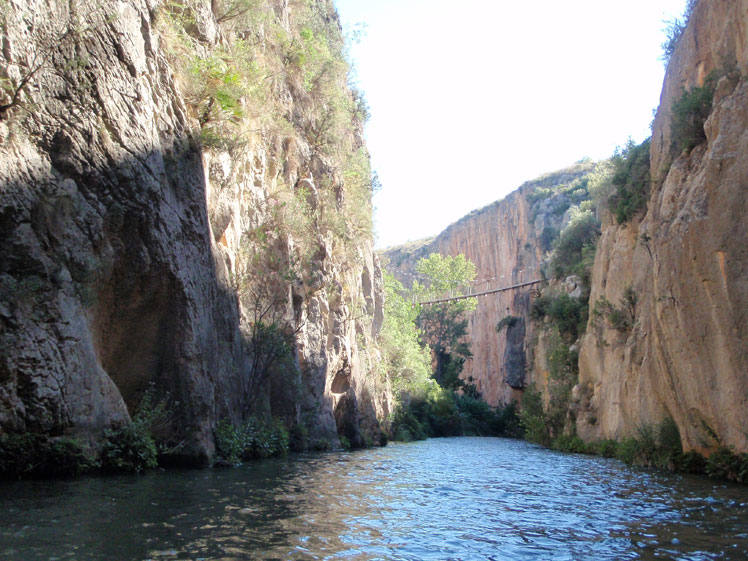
(572,444)
(229,444)
(691,462)
(605,448)
(129,448)
(568,314)
(508,322)
(532,417)
(631,179)
(345,443)
(571,255)
(619,318)
(298,438)
(674,31)
(37,455)
(690,112)
(253,440)
(724,463)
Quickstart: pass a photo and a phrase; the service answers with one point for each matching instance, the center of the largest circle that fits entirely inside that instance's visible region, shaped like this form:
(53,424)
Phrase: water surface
(441,499)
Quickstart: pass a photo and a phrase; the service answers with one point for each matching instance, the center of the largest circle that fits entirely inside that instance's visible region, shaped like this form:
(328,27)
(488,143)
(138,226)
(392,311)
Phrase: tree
(404,357)
(444,325)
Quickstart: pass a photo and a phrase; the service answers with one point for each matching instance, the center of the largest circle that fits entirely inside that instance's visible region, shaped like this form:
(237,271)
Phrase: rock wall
(125,243)
(505,241)
(686,355)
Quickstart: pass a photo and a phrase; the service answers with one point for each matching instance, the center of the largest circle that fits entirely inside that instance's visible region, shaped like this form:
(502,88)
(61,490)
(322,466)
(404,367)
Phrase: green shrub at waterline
(253,440)
(36,455)
(129,448)
(445,413)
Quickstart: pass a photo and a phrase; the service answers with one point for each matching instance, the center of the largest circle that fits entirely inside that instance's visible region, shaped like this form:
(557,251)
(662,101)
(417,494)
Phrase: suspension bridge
(483,292)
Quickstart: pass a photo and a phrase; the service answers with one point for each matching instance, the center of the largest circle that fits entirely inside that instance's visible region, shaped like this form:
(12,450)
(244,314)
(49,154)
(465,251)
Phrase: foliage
(507,322)
(674,31)
(568,314)
(444,325)
(622,317)
(571,444)
(574,249)
(724,463)
(298,438)
(405,361)
(600,185)
(441,412)
(253,440)
(690,112)
(532,417)
(136,446)
(631,178)
(36,455)
(129,448)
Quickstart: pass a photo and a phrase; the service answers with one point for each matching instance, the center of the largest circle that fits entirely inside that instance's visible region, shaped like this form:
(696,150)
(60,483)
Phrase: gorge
(188,279)
(186,216)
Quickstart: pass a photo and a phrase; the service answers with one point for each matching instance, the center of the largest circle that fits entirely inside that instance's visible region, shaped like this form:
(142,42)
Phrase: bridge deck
(483,293)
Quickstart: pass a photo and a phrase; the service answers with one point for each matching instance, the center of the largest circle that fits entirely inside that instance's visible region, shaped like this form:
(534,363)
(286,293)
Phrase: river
(440,499)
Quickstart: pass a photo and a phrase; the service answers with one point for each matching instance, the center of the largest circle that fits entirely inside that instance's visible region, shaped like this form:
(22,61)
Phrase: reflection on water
(457,498)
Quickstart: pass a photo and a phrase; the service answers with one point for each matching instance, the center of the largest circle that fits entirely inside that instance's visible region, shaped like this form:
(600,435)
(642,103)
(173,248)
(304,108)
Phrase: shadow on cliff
(110,284)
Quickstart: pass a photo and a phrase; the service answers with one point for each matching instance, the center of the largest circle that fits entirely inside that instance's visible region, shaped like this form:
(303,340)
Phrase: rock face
(686,355)
(125,244)
(505,240)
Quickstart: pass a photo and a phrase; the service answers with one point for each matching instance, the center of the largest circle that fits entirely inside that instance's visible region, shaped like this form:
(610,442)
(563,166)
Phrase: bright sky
(471,98)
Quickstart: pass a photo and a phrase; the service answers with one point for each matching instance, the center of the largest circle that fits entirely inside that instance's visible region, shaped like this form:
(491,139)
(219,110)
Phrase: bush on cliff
(574,249)
(631,179)
(690,111)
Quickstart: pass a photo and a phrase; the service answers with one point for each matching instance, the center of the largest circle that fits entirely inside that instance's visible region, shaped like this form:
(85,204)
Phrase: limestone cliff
(685,258)
(149,223)
(508,241)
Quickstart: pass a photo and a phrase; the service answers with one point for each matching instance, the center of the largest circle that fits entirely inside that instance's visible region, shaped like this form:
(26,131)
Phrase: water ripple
(444,499)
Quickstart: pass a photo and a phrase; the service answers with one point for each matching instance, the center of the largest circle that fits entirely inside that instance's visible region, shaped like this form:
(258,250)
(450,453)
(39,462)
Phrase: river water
(451,498)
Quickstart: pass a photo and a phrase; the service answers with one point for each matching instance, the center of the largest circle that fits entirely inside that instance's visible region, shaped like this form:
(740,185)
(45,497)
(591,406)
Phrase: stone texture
(687,353)
(122,243)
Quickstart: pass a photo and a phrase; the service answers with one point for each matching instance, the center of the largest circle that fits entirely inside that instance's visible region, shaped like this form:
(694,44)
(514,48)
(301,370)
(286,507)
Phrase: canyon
(684,260)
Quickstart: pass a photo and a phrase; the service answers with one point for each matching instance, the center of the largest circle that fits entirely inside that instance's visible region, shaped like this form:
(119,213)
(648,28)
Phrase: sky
(470,99)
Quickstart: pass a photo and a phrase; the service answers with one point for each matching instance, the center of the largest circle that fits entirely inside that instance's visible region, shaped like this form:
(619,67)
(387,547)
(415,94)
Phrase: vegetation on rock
(690,112)
(631,179)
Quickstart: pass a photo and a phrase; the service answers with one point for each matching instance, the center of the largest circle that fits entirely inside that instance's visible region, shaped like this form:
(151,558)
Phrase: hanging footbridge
(483,292)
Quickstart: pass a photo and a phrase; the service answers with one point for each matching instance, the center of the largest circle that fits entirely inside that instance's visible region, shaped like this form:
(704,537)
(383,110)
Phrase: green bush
(229,442)
(724,463)
(574,249)
(37,455)
(690,112)
(572,444)
(691,462)
(620,317)
(298,438)
(508,322)
(254,440)
(605,448)
(532,417)
(674,31)
(631,179)
(446,413)
(568,314)
(129,448)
